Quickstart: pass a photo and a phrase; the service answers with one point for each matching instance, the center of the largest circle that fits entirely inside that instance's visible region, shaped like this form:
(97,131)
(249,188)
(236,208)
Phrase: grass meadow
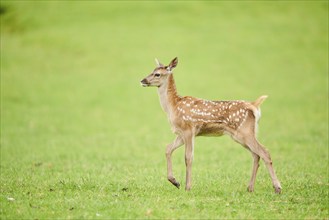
(81,139)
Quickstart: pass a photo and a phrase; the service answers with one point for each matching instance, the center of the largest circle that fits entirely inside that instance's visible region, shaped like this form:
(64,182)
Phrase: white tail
(190,117)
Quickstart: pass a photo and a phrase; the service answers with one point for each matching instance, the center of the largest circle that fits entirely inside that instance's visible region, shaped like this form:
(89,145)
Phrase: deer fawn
(190,117)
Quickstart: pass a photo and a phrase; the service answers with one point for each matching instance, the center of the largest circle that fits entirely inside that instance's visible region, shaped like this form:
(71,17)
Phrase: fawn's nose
(144,82)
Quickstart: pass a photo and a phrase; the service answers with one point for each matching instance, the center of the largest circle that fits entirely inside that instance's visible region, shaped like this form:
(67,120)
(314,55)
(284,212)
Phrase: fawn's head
(160,74)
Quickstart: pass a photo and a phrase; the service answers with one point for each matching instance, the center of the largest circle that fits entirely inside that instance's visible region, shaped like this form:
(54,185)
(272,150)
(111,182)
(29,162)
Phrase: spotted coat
(211,117)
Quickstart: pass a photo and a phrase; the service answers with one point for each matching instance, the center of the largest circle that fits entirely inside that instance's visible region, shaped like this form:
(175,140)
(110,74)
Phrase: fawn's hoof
(277,190)
(187,189)
(174,182)
(250,188)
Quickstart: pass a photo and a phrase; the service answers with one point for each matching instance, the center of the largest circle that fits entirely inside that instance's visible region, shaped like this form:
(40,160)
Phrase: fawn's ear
(158,63)
(172,64)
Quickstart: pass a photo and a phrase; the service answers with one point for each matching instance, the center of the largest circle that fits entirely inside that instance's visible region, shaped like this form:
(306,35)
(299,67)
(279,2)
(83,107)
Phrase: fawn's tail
(259,101)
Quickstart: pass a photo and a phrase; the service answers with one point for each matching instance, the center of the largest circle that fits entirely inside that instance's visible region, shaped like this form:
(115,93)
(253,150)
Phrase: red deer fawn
(190,117)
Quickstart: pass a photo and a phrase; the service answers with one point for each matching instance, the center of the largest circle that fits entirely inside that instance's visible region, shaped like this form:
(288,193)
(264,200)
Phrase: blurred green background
(76,123)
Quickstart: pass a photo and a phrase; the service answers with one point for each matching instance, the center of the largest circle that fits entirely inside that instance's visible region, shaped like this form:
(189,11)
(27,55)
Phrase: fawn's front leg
(170,149)
(189,151)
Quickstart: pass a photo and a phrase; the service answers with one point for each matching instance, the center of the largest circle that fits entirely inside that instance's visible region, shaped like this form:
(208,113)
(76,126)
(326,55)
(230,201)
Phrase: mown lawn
(80,138)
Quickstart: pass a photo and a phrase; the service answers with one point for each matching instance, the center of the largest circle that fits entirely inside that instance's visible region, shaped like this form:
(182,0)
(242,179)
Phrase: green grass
(80,138)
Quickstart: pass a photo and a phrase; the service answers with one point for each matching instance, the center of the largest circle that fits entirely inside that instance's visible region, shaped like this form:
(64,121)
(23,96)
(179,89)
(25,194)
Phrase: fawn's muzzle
(145,83)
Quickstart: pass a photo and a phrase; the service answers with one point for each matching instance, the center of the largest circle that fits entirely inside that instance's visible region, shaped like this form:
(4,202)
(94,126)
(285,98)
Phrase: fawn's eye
(157,75)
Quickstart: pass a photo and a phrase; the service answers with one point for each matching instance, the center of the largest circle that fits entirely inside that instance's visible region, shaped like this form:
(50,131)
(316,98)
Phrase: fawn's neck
(168,95)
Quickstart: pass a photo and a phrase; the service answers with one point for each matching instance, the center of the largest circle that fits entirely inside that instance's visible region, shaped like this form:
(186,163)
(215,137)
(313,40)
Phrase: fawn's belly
(211,129)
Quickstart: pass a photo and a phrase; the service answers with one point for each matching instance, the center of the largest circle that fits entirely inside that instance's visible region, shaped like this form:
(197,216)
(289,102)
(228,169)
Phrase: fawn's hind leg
(254,172)
(259,149)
